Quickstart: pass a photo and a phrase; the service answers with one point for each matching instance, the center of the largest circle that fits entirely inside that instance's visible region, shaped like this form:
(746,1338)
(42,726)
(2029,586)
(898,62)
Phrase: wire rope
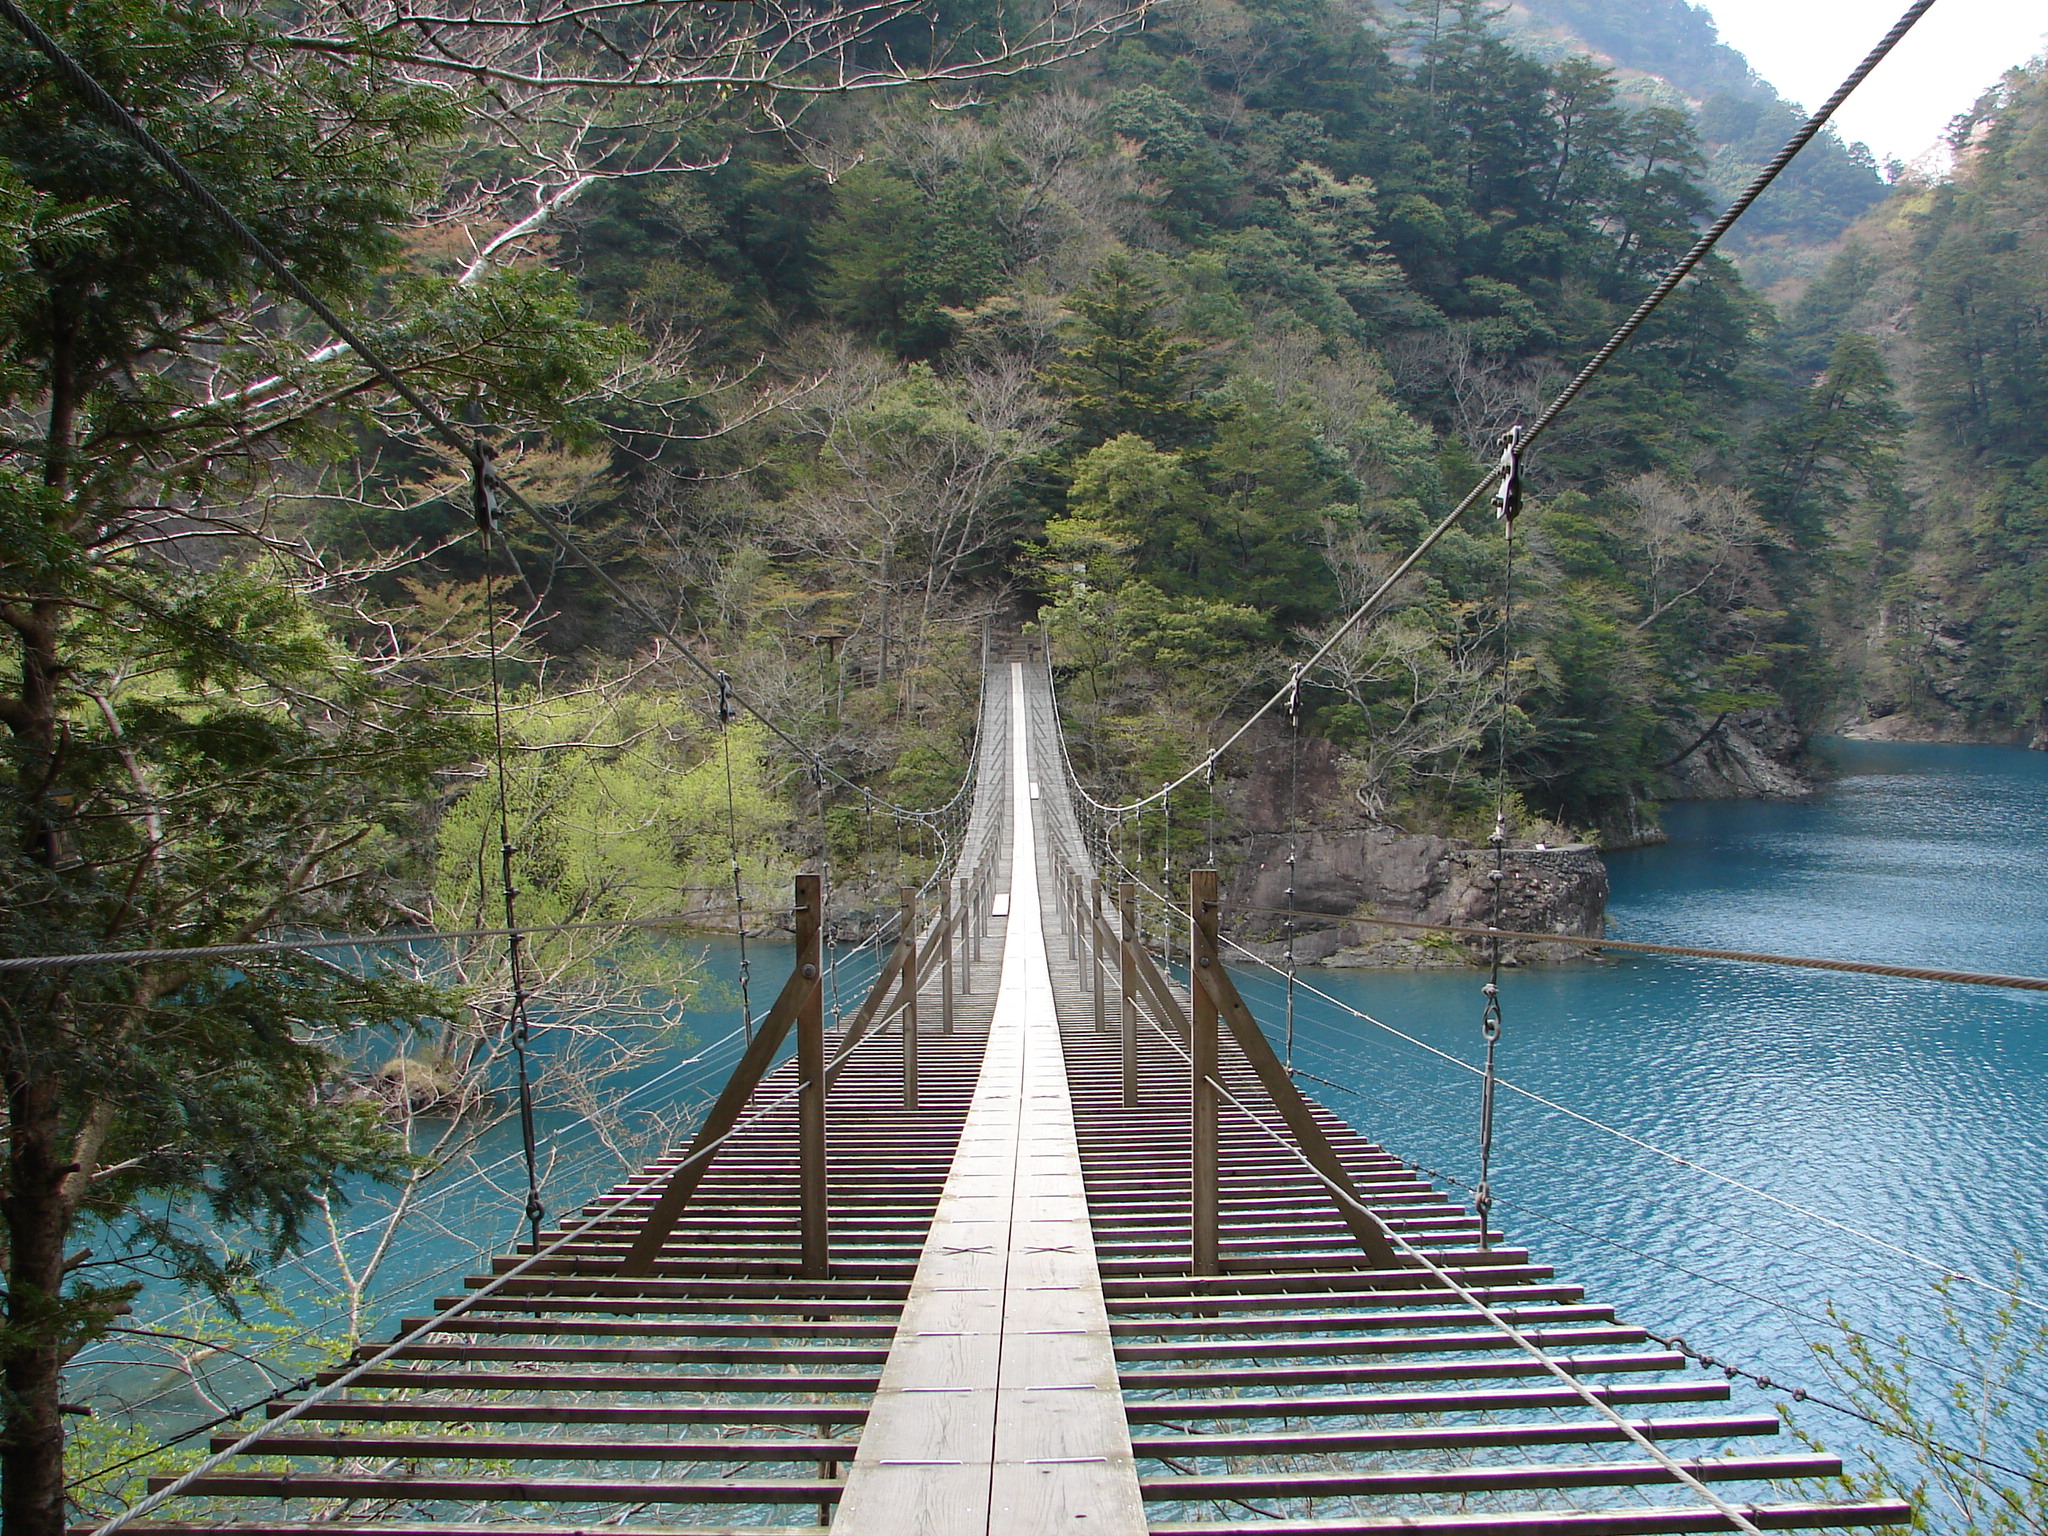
(732,846)
(1507,503)
(1956,1272)
(1473,1299)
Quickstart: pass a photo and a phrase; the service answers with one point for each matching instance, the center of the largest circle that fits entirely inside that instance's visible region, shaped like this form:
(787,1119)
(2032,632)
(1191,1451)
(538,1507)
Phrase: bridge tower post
(1095,949)
(1127,982)
(813,1194)
(950,939)
(1204,1053)
(906,897)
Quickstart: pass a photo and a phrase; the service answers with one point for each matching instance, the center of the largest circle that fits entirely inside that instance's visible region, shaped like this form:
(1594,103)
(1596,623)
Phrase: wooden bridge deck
(1011,1339)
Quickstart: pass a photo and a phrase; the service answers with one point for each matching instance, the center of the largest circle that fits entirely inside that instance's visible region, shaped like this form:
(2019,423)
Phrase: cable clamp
(1507,496)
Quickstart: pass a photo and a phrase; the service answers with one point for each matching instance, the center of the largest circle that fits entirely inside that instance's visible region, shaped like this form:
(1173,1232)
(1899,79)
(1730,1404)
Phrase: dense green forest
(842,338)
(1946,287)
(1668,51)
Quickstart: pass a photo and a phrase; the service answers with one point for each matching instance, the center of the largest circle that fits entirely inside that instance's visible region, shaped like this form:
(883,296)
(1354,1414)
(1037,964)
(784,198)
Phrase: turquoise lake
(1913,1112)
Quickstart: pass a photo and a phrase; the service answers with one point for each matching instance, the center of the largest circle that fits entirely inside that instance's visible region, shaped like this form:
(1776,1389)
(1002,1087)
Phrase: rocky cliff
(1344,877)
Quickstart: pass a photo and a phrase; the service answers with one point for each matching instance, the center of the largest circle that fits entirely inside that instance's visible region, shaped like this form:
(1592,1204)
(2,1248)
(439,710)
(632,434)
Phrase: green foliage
(619,811)
(1125,372)
(896,254)
(1954,1463)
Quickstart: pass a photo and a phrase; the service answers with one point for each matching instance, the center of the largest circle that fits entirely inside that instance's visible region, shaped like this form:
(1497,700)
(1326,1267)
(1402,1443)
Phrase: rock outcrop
(1342,877)
(1747,755)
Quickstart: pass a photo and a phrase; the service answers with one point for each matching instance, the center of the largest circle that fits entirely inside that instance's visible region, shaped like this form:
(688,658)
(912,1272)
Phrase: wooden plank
(1655,1520)
(998,1409)
(1293,1483)
(506,1489)
(507,1448)
(1477,1400)
(1446,1437)
(1205,1099)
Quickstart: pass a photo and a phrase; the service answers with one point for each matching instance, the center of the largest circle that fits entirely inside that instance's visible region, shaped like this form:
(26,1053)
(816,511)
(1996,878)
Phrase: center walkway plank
(999,1412)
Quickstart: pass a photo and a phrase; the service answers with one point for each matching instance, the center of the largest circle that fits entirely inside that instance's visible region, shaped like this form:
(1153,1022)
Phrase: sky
(1805,47)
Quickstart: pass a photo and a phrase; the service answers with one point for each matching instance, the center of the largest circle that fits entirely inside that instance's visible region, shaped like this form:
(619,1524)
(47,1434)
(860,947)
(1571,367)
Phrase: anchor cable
(732,845)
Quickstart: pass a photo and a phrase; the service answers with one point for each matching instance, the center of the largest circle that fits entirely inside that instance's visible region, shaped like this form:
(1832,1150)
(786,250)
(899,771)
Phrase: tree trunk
(32,1359)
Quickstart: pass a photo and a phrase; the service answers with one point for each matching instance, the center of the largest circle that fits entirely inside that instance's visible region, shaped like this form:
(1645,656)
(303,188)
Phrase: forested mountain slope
(1670,49)
(1948,633)
(1177,347)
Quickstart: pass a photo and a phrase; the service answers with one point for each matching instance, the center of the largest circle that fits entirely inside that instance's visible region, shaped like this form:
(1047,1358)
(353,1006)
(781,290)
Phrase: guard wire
(732,846)
(1507,502)
(1679,1344)
(1691,951)
(257,947)
(1952,1271)
(632,1189)
(1478,1303)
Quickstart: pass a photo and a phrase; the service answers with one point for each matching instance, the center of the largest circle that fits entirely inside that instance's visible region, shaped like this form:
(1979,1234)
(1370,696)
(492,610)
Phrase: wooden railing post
(906,898)
(803,991)
(1127,982)
(1095,950)
(1202,1051)
(1070,892)
(814,1192)
(948,938)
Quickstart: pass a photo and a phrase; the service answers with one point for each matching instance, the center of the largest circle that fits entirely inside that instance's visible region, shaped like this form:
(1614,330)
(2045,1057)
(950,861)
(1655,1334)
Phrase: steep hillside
(1669,50)
(1946,632)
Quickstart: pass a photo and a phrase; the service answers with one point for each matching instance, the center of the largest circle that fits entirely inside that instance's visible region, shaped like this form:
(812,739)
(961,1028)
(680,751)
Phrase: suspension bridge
(1037,1234)
(1042,1232)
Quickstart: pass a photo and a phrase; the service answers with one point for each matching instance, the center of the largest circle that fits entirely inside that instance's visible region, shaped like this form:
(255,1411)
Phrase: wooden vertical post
(1094,972)
(1202,1050)
(950,939)
(907,915)
(1070,890)
(1127,982)
(814,1193)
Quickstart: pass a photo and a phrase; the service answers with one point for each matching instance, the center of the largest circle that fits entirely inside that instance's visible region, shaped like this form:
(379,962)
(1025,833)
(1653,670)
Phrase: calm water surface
(1915,1112)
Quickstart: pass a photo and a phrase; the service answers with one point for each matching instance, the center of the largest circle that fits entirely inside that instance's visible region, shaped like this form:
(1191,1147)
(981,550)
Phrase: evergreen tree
(191,756)
(1125,372)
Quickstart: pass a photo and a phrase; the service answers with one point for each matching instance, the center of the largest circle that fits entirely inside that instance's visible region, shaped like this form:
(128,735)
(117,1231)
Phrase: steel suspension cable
(1677,1342)
(1805,1212)
(1507,503)
(732,847)
(1820,1218)
(630,1190)
(1664,288)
